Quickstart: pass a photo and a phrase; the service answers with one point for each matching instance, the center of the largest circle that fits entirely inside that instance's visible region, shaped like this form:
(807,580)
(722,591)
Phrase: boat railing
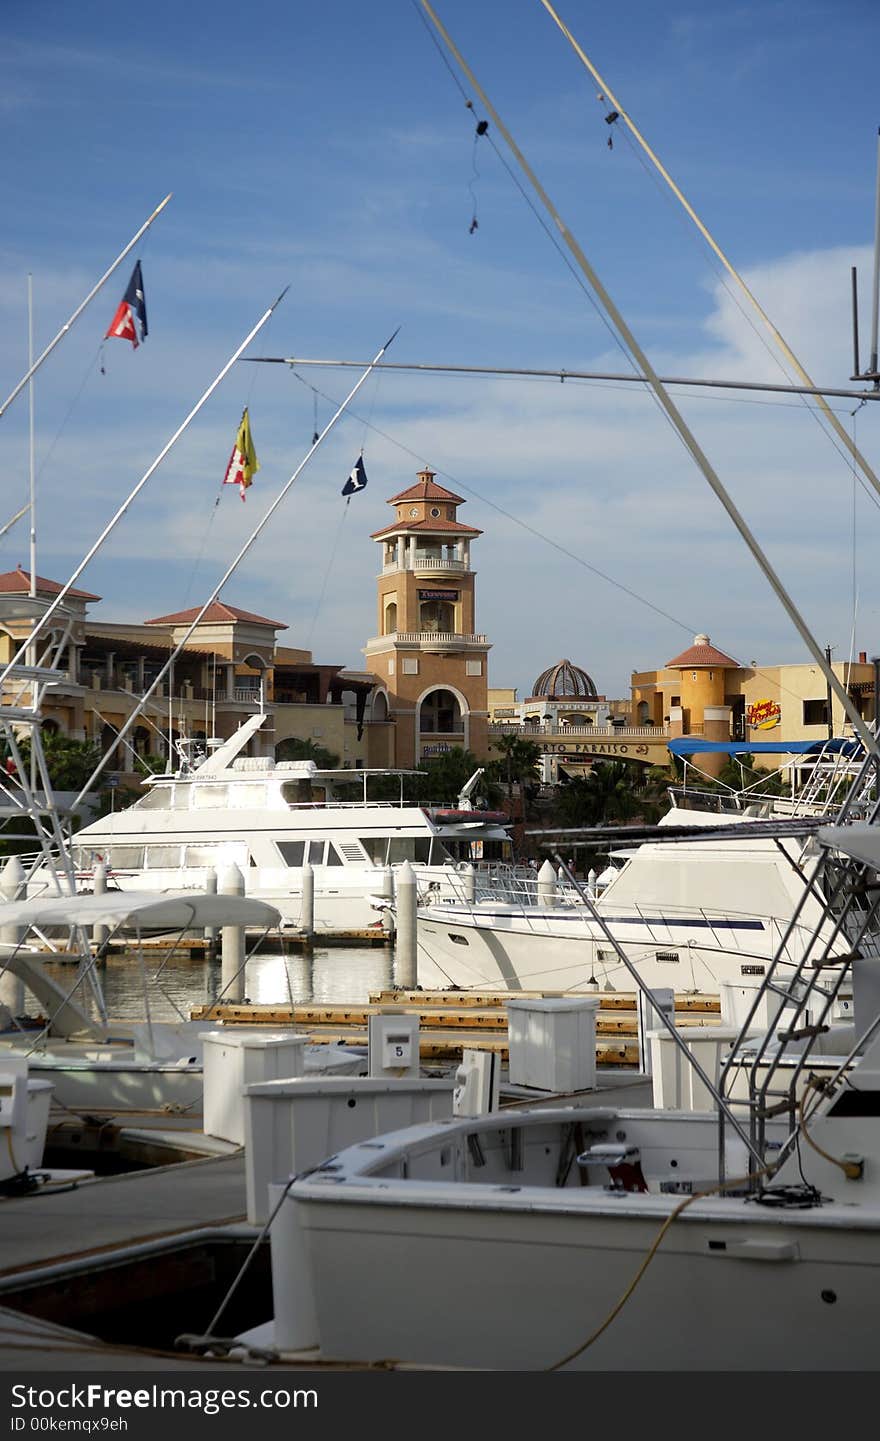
(803,984)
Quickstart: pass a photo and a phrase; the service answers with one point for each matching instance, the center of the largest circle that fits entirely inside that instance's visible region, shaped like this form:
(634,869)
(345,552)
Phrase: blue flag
(357,480)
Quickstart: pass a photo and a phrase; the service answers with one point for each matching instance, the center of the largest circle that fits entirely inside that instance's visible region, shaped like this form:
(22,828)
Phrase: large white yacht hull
(690,916)
(520,948)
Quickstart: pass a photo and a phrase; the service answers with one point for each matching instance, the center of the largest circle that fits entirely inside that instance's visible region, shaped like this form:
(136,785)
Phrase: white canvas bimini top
(141,911)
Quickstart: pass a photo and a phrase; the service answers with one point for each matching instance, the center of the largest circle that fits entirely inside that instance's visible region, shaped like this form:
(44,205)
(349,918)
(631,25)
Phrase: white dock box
(232,1061)
(553,1043)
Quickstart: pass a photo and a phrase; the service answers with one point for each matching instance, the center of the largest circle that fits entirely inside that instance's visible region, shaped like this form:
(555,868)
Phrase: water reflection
(335,975)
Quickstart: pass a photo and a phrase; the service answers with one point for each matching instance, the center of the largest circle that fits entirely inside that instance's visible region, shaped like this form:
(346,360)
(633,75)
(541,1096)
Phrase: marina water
(332,974)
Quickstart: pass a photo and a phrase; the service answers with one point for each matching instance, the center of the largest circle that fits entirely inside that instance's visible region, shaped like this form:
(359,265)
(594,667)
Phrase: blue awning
(696,745)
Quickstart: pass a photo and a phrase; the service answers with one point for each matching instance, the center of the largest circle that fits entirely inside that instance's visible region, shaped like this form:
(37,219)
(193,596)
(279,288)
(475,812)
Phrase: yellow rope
(851,1169)
(673,1216)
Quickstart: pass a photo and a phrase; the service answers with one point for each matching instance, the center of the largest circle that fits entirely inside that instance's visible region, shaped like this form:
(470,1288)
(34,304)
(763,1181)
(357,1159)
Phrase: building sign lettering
(763,715)
(435,750)
(591,748)
(438,595)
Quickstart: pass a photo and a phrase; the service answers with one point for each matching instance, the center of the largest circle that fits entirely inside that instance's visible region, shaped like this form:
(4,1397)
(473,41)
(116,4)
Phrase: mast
(31,472)
(234,564)
(875,295)
(676,418)
(35,364)
(840,430)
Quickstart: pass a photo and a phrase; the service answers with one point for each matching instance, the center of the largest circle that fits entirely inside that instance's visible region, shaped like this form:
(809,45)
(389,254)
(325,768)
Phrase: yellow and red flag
(243,461)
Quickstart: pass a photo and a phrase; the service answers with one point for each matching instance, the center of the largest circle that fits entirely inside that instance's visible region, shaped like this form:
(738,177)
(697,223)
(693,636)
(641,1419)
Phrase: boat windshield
(157,799)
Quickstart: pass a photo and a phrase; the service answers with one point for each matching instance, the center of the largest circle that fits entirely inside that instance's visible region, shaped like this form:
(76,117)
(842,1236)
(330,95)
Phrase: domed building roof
(702,653)
(564,681)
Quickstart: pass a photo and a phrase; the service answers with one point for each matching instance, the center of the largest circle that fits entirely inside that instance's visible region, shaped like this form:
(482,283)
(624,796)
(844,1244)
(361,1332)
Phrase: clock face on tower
(413,510)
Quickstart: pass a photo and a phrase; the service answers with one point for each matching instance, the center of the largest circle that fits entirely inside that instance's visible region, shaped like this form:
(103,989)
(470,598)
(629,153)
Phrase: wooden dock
(196,948)
(451,1021)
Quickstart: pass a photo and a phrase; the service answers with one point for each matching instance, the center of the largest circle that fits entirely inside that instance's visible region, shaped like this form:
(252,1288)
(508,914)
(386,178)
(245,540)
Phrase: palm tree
(518,762)
(606,794)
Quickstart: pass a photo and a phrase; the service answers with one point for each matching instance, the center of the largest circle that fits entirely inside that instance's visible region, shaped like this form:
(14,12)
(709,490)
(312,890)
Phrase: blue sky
(329,149)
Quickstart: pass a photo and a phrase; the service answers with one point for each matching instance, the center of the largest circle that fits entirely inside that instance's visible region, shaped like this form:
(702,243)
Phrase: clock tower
(427,653)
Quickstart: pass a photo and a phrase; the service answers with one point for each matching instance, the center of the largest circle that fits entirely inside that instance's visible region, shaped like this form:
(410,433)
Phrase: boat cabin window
(460,849)
(317,853)
(118,858)
(162,857)
(391,850)
(157,799)
(247,797)
(125,858)
(207,797)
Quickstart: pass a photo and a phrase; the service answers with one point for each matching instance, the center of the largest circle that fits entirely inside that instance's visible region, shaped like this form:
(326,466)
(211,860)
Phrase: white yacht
(270,819)
(691,914)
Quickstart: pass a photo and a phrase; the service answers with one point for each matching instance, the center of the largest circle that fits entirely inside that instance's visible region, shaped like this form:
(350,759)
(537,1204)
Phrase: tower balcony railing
(438,637)
(423,560)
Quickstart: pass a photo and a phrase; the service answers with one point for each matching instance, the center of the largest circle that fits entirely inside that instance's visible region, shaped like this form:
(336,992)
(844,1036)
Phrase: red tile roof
(426,489)
(218,610)
(702,653)
(432,527)
(18,582)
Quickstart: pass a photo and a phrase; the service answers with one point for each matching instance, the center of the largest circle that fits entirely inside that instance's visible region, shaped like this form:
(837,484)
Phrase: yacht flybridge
(271,819)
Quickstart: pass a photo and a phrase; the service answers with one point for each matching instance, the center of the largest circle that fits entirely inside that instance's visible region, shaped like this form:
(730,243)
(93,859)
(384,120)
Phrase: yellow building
(707,694)
(427,655)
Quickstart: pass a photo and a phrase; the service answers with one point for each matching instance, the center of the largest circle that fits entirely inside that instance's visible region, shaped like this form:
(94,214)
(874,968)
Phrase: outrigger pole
(674,415)
(80,308)
(228,572)
(563,375)
(50,611)
(786,349)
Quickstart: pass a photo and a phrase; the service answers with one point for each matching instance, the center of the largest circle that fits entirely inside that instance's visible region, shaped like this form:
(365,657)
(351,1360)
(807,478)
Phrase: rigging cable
(588,291)
(706,250)
(532,530)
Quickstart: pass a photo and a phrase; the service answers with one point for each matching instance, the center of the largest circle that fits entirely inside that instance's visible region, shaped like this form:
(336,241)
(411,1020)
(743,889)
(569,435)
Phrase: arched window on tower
(440,712)
(390,619)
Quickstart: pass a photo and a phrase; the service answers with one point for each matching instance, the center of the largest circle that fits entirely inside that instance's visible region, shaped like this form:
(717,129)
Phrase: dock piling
(406,940)
(233,947)
(12,886)
(99,888)
(307,909)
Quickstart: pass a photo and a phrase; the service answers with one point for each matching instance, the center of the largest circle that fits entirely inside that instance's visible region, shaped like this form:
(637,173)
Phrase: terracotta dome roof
(563,681)
(702,653)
